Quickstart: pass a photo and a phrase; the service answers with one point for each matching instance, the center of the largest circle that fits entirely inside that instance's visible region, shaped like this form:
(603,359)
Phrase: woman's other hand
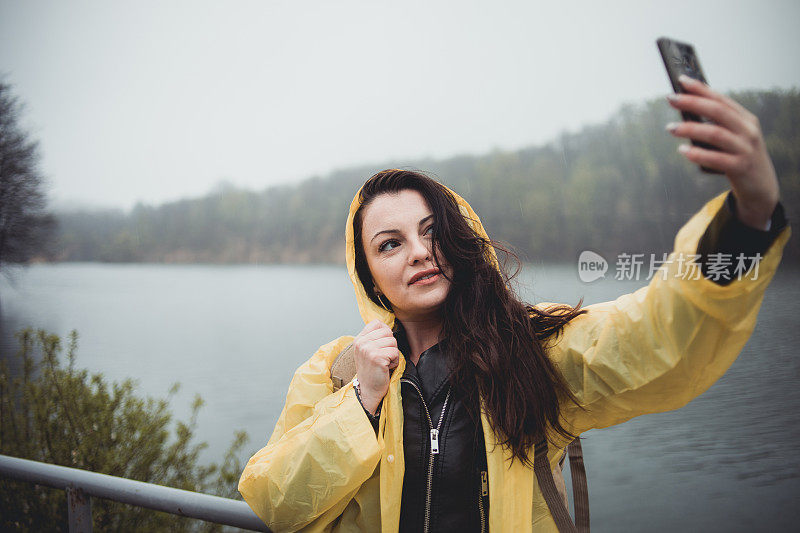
(743,153)
(376,354)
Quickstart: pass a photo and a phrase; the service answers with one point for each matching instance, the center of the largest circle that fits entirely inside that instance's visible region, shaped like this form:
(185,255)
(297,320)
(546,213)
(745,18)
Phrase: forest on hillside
(614,187)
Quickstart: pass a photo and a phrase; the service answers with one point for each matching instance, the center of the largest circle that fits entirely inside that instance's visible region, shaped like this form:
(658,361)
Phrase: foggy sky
(152,101)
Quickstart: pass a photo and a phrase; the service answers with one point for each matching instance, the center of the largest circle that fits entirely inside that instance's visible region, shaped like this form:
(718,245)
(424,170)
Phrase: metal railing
(82,485)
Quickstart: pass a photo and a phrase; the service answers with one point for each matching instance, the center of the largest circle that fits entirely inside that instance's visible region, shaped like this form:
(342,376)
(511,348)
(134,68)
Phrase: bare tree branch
(25,225)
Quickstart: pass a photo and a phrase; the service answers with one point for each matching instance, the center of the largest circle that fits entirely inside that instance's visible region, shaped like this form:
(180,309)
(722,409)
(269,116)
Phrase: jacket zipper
(434,447)
(484,492)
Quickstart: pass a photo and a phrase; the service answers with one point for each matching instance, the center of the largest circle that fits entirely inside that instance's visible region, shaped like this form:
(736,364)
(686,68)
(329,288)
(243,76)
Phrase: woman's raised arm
(658,348)
(661,346)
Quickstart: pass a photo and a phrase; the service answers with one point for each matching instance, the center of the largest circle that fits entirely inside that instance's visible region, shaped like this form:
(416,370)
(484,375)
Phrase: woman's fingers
(388,353)
(382,342)
(711,109)
(381,356)
(736,131)
(698,87)
(372,326)
(374,330)
(382,333)
(724,162)
(709,133)
(704,101)
(376,344)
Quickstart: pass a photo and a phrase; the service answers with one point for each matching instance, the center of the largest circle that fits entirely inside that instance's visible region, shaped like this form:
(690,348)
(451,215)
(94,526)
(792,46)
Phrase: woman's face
(396,234)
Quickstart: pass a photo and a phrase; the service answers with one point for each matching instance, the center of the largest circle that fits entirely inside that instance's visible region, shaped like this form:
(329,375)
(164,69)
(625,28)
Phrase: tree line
(619,186)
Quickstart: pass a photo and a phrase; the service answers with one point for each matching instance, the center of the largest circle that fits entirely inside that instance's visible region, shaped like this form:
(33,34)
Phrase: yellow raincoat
(650,351)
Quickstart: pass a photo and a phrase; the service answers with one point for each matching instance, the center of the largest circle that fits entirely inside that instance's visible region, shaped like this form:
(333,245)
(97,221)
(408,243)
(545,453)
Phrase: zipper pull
(434,441)
(484,483)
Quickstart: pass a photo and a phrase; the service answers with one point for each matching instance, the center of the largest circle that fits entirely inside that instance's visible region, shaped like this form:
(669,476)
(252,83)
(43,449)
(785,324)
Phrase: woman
(457,380)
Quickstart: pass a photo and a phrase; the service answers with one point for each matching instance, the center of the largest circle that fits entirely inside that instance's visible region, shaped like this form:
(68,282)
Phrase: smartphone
(680,58)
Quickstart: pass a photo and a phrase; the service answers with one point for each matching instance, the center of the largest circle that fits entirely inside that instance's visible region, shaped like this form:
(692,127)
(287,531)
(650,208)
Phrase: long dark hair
(493,339)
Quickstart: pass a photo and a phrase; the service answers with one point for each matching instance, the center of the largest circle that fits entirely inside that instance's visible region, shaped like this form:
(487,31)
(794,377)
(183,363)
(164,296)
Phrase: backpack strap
(343,368)
(580,491)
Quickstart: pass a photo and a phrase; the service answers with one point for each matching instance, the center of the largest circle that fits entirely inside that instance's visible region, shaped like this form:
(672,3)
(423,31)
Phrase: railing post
(79,508)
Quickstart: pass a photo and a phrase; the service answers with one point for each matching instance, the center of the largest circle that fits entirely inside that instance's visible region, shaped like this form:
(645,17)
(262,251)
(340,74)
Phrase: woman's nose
(419,251)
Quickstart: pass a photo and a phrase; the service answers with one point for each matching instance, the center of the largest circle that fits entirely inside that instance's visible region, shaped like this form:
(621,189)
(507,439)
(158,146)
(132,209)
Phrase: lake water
(235,335)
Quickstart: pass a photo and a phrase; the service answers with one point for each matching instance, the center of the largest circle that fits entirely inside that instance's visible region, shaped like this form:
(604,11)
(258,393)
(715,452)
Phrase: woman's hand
(376,354)
(743,154)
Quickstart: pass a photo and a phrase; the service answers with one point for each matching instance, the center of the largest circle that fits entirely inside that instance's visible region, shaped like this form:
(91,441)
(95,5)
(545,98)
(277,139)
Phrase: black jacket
(457,499)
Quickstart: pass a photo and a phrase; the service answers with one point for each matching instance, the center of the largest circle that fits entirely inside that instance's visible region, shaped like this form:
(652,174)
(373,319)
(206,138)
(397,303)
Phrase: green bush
(68,417)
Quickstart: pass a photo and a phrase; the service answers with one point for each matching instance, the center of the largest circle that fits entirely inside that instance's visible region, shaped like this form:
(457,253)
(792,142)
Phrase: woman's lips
(427,281)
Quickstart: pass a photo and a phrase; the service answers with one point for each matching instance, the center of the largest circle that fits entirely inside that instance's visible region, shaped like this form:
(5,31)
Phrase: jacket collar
(431,371)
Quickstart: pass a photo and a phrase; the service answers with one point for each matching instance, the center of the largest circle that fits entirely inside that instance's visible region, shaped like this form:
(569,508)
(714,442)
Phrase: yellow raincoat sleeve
(661,346)
(322,450)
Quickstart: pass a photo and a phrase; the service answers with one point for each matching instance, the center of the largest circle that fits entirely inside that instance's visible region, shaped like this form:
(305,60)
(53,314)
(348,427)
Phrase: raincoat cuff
(727,241)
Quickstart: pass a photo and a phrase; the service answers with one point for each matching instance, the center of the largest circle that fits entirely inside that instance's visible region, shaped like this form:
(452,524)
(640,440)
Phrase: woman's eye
(429,230)
(388,245)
